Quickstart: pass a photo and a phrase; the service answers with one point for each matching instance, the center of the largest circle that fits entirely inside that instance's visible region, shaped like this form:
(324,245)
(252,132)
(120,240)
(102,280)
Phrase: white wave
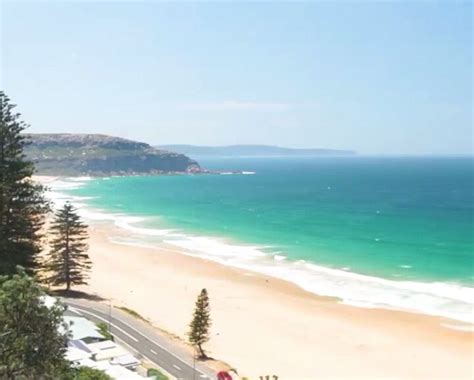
(448,300)
(127,223)
(440,299)
(248,173)
(405,266)
(57,191)
(80,179)
(65,185)
(216,248)
(279,257)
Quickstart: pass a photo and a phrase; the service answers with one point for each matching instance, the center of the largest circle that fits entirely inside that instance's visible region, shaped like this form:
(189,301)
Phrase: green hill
(90,154)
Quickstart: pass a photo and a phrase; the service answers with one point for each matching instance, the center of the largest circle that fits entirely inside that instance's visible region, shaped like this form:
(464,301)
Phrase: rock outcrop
(89,154)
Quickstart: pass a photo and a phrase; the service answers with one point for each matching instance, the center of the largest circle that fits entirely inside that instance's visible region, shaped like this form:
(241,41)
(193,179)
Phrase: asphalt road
(143,339)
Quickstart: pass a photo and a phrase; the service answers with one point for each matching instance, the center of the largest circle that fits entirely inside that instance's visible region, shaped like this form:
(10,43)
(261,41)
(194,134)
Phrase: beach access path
(143,339)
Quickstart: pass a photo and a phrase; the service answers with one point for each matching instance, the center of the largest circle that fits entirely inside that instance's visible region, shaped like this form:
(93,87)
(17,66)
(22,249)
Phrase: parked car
(224,375)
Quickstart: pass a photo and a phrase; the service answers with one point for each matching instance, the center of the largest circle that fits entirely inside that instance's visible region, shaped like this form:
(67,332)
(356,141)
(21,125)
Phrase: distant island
(252,151)
(98,155)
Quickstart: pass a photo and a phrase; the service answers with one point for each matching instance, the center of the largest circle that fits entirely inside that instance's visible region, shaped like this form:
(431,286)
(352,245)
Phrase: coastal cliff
(91,154)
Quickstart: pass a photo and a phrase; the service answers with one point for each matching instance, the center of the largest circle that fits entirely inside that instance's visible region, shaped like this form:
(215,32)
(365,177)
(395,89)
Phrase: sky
(376,77)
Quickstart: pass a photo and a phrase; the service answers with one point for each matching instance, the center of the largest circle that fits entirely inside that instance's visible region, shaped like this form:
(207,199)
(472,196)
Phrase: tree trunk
(68,269)
(201,351)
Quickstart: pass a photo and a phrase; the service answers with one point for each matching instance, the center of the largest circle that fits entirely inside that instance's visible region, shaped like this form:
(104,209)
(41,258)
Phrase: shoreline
(295,327)
(441,298)
(162,285)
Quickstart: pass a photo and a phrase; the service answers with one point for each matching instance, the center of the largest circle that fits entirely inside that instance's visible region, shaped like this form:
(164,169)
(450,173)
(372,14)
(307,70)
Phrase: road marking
(157,344)
(114,326)
(175,366)
(133,348)
(134,329)
(75,311)
(153,351)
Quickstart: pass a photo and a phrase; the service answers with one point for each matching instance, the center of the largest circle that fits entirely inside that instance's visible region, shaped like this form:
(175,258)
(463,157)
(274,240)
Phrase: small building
(88,347)
(113,353)
(118,372)
(83,329)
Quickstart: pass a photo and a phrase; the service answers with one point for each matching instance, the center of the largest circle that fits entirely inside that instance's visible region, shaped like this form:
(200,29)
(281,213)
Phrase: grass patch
(153,372)
(133,313)
(104,330)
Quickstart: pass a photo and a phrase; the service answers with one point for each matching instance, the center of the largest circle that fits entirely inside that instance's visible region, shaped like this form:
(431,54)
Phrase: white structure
(112,352)
(115,370)
(88,347)
(76,355)
(118,372)
(83,329)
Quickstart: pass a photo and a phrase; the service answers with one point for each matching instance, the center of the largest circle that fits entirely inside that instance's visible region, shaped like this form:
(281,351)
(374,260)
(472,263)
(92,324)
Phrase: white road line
(137,352)
(158,344)
(151,340)
(115,327)
(153,351)
(175,366)
(75,311)
(147,358)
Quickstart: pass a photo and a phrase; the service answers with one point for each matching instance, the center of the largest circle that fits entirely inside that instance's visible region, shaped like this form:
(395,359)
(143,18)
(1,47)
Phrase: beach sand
(262,325)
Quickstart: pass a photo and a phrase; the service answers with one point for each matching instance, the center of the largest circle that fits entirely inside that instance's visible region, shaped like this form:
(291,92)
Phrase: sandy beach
(305,169)
(262,325)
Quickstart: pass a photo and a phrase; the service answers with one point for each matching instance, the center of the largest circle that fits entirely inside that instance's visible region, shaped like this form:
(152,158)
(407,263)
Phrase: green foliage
(153,372)
(22,203)
(133,313)
(201,322)
(67,262)
(31,344)
(70,154)
(87,373)
(104,330)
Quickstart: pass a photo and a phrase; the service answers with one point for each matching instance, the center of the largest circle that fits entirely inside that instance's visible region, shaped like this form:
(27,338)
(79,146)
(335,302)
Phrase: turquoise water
(400,219)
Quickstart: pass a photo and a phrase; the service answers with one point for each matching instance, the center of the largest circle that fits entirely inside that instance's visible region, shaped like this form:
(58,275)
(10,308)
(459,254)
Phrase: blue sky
(375,77)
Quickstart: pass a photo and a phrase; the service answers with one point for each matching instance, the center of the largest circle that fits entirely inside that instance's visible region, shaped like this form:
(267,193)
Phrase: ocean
(391,232)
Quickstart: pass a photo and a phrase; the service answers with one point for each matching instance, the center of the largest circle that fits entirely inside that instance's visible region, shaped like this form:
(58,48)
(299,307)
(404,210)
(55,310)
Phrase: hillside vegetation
(90,154)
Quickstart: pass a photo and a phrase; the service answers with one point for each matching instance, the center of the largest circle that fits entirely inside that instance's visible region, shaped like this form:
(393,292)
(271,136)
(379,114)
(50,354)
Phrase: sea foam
(449,300)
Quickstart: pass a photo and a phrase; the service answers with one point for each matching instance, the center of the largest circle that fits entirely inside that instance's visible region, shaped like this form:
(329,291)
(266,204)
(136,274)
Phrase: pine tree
(22,203)
(199,333)
(67,262)
(33,337)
